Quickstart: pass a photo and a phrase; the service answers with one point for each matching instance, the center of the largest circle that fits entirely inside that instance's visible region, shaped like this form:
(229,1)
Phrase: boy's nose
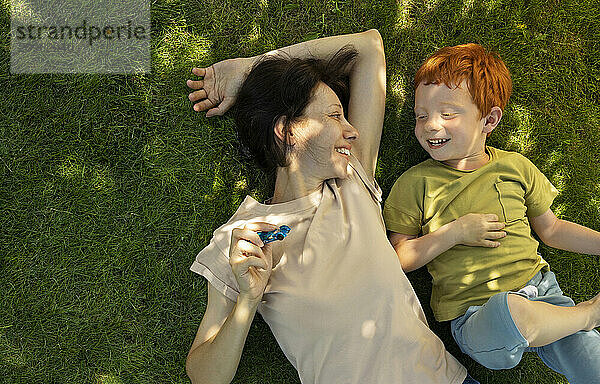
(432,126)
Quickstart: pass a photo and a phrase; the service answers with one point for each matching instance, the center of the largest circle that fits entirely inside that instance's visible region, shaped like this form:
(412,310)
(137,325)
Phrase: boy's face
(449,126)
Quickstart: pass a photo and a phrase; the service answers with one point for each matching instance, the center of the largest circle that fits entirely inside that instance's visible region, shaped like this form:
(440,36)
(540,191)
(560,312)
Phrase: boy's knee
(489,336)
(518,307)
(501,361)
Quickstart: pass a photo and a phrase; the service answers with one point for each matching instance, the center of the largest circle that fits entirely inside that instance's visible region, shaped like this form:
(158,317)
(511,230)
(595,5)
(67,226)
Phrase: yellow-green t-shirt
(432,194)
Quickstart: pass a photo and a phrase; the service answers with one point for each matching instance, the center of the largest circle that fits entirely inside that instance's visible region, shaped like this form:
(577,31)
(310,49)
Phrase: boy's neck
(470,163)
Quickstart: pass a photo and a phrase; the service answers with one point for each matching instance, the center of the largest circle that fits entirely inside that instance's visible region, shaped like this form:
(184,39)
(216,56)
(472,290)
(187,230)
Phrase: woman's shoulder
(244,212)
(361,174)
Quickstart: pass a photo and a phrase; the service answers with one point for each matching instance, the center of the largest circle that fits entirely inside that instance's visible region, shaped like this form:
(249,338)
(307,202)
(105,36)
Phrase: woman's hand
(476,229)
(251,260)
(218,90)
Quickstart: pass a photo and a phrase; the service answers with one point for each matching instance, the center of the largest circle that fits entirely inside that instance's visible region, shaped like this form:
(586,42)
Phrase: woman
(332,292)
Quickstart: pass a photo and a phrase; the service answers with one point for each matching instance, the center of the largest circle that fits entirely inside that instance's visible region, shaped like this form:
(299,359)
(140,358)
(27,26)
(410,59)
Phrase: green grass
(109,185)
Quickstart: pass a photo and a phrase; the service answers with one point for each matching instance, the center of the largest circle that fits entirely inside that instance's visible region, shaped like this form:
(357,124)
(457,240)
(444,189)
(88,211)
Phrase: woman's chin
(340,167)
(341,171)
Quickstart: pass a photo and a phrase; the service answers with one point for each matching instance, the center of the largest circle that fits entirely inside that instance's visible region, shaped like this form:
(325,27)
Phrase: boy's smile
(437,143)
(449,125)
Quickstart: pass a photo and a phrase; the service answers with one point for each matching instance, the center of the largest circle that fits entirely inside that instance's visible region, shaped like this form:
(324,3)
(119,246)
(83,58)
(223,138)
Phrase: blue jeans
(488,334)
(470,380)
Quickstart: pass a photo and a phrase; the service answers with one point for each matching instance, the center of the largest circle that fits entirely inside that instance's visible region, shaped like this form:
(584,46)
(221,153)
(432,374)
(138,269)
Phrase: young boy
(466,214)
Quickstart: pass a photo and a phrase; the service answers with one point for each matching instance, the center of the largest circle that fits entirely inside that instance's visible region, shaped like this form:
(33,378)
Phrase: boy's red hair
(486,75)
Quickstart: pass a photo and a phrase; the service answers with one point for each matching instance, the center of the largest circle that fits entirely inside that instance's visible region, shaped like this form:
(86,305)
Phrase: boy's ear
(278,130)
(492,120)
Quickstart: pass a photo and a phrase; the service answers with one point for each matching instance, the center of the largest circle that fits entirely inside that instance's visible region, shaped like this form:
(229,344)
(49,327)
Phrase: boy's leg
(488,334)
(542,323)
(576,356)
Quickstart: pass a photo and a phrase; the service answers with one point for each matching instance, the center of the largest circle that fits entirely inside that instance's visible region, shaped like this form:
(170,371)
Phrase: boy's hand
(218,90)
(479,230)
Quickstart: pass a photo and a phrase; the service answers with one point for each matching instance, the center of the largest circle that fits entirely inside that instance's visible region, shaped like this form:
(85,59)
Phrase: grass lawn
(110,185)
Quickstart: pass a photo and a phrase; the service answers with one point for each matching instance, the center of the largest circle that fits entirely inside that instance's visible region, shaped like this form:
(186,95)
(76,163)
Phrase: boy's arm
(565,235)
(473,229)
(414,252)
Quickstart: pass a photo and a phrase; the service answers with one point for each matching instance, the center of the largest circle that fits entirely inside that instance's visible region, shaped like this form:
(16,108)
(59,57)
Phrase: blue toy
(278,234)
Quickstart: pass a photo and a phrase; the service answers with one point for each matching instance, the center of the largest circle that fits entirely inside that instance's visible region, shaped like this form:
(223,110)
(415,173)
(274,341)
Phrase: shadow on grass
(111,184)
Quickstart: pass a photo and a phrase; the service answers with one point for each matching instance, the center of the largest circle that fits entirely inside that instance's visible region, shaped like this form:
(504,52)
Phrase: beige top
(338,302)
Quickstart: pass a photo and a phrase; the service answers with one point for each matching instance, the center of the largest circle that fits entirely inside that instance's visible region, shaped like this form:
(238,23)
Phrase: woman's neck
(291,184)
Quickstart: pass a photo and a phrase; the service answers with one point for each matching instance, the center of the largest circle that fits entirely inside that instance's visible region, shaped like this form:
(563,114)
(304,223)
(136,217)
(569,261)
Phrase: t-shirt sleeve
(213,263)
(369,182)
(401,211)
(540,192)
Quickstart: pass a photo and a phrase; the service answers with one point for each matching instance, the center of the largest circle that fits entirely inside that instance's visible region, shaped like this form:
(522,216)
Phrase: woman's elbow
(374,35)
(200,371)
(372,43)
(189,369)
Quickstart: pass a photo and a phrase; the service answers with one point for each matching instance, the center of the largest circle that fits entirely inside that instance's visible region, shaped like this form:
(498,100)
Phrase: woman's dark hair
(282,87)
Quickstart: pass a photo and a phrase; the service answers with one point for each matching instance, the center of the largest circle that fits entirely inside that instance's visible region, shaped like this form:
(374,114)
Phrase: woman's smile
(344,151)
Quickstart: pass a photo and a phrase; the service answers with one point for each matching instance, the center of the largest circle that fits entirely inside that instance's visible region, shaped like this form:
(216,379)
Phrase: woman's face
(323,137)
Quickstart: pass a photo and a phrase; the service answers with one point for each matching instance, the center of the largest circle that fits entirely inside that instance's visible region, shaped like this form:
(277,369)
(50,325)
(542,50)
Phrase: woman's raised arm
(217,91)
(367,99)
